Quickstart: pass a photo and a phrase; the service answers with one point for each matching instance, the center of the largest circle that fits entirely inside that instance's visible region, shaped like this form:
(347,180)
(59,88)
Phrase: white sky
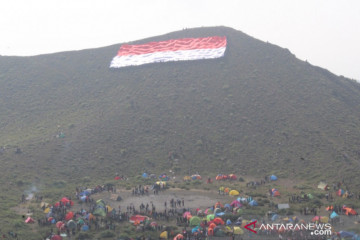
(324,32)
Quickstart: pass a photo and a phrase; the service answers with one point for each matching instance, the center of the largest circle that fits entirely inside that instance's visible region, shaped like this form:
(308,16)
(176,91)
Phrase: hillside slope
(258,110)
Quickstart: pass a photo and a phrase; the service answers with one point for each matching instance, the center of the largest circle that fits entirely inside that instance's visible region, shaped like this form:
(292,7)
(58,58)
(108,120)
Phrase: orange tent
(212,225)
(210,232)
(218,205)
(329,208)
(218,221)
(350,211)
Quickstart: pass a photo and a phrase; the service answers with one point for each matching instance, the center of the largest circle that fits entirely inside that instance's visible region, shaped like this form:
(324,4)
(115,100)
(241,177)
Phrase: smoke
(29,193)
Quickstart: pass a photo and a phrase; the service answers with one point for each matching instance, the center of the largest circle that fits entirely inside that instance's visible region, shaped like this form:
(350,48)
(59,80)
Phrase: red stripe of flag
(173,45)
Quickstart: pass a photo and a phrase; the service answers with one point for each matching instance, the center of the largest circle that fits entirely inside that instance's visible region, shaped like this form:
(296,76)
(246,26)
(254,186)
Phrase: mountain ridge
(257,110)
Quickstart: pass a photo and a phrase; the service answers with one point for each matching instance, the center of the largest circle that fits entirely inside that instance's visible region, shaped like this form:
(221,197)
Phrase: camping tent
(210,217)
(196,177)
(164,235)
(65,201)
(238,231)
(334,215)
(235,203)
(56,237)
(234,193)
(232,177)
(323,186)
(187,178)
(350,211)
(273,178)
(69,216)
(340,192)
(253,203)
(85,228)
(218,221)
(145,175)
(137,218)
(275,192)
(100,211)
(195,221)
(71,224)
(29,220)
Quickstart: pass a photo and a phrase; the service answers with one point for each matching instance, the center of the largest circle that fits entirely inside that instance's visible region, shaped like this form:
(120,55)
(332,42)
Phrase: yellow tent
(109,209)
(234,193)
(324,219)
(47,210)
(164,235)
(238,231)
(187,178)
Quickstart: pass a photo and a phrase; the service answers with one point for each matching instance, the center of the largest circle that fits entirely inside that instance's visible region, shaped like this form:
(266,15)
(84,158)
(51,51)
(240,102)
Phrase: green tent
(310,196)
(210,217)
(80,221)
(195,221)
(99,212)
(220,233)
(71,224)
(100,202)
(217,210)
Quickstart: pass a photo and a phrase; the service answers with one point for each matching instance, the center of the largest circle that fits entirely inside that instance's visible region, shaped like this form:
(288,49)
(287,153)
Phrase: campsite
(192,209)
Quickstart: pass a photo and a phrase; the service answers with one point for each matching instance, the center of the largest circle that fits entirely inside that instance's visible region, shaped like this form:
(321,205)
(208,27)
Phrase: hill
(258,110)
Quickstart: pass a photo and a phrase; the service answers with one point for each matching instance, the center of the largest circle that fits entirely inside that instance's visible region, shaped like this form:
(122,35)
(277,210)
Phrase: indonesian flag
(171,50)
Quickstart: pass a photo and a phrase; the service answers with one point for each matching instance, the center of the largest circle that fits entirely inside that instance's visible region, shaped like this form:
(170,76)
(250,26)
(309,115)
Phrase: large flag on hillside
(171,50)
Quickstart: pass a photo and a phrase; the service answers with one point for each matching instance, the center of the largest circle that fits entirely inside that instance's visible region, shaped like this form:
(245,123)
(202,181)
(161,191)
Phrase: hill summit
(258,110)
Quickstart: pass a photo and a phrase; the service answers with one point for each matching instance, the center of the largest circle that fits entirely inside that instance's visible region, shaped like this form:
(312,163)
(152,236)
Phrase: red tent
(60,225)
(29,220)
(218,221)
(117,178)
(137,218)
(69,216)
(232,177)
(56,237)
(65,200)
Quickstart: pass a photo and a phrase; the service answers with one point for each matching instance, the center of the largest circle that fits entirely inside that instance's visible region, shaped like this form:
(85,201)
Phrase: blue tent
(195,229)
(220,214)
(274,217)
(85,228)
(253,203)
(83,198)
(333,215)
(228,206)
(228,222)
(145,175)
(344,234)
(273,178)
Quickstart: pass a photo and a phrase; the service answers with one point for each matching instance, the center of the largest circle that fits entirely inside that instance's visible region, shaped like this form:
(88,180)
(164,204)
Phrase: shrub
(107,234)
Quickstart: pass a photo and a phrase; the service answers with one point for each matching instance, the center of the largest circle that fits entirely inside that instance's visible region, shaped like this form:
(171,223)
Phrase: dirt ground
(192,198)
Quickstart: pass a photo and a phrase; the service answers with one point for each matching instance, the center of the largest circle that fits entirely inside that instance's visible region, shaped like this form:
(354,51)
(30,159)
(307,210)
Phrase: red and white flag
(171,50)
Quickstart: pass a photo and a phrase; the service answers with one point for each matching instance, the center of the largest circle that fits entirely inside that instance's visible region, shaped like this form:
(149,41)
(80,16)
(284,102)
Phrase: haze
(326,33)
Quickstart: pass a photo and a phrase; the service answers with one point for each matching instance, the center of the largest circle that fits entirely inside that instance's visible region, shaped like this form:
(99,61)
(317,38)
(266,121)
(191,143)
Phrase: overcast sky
(326,33)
